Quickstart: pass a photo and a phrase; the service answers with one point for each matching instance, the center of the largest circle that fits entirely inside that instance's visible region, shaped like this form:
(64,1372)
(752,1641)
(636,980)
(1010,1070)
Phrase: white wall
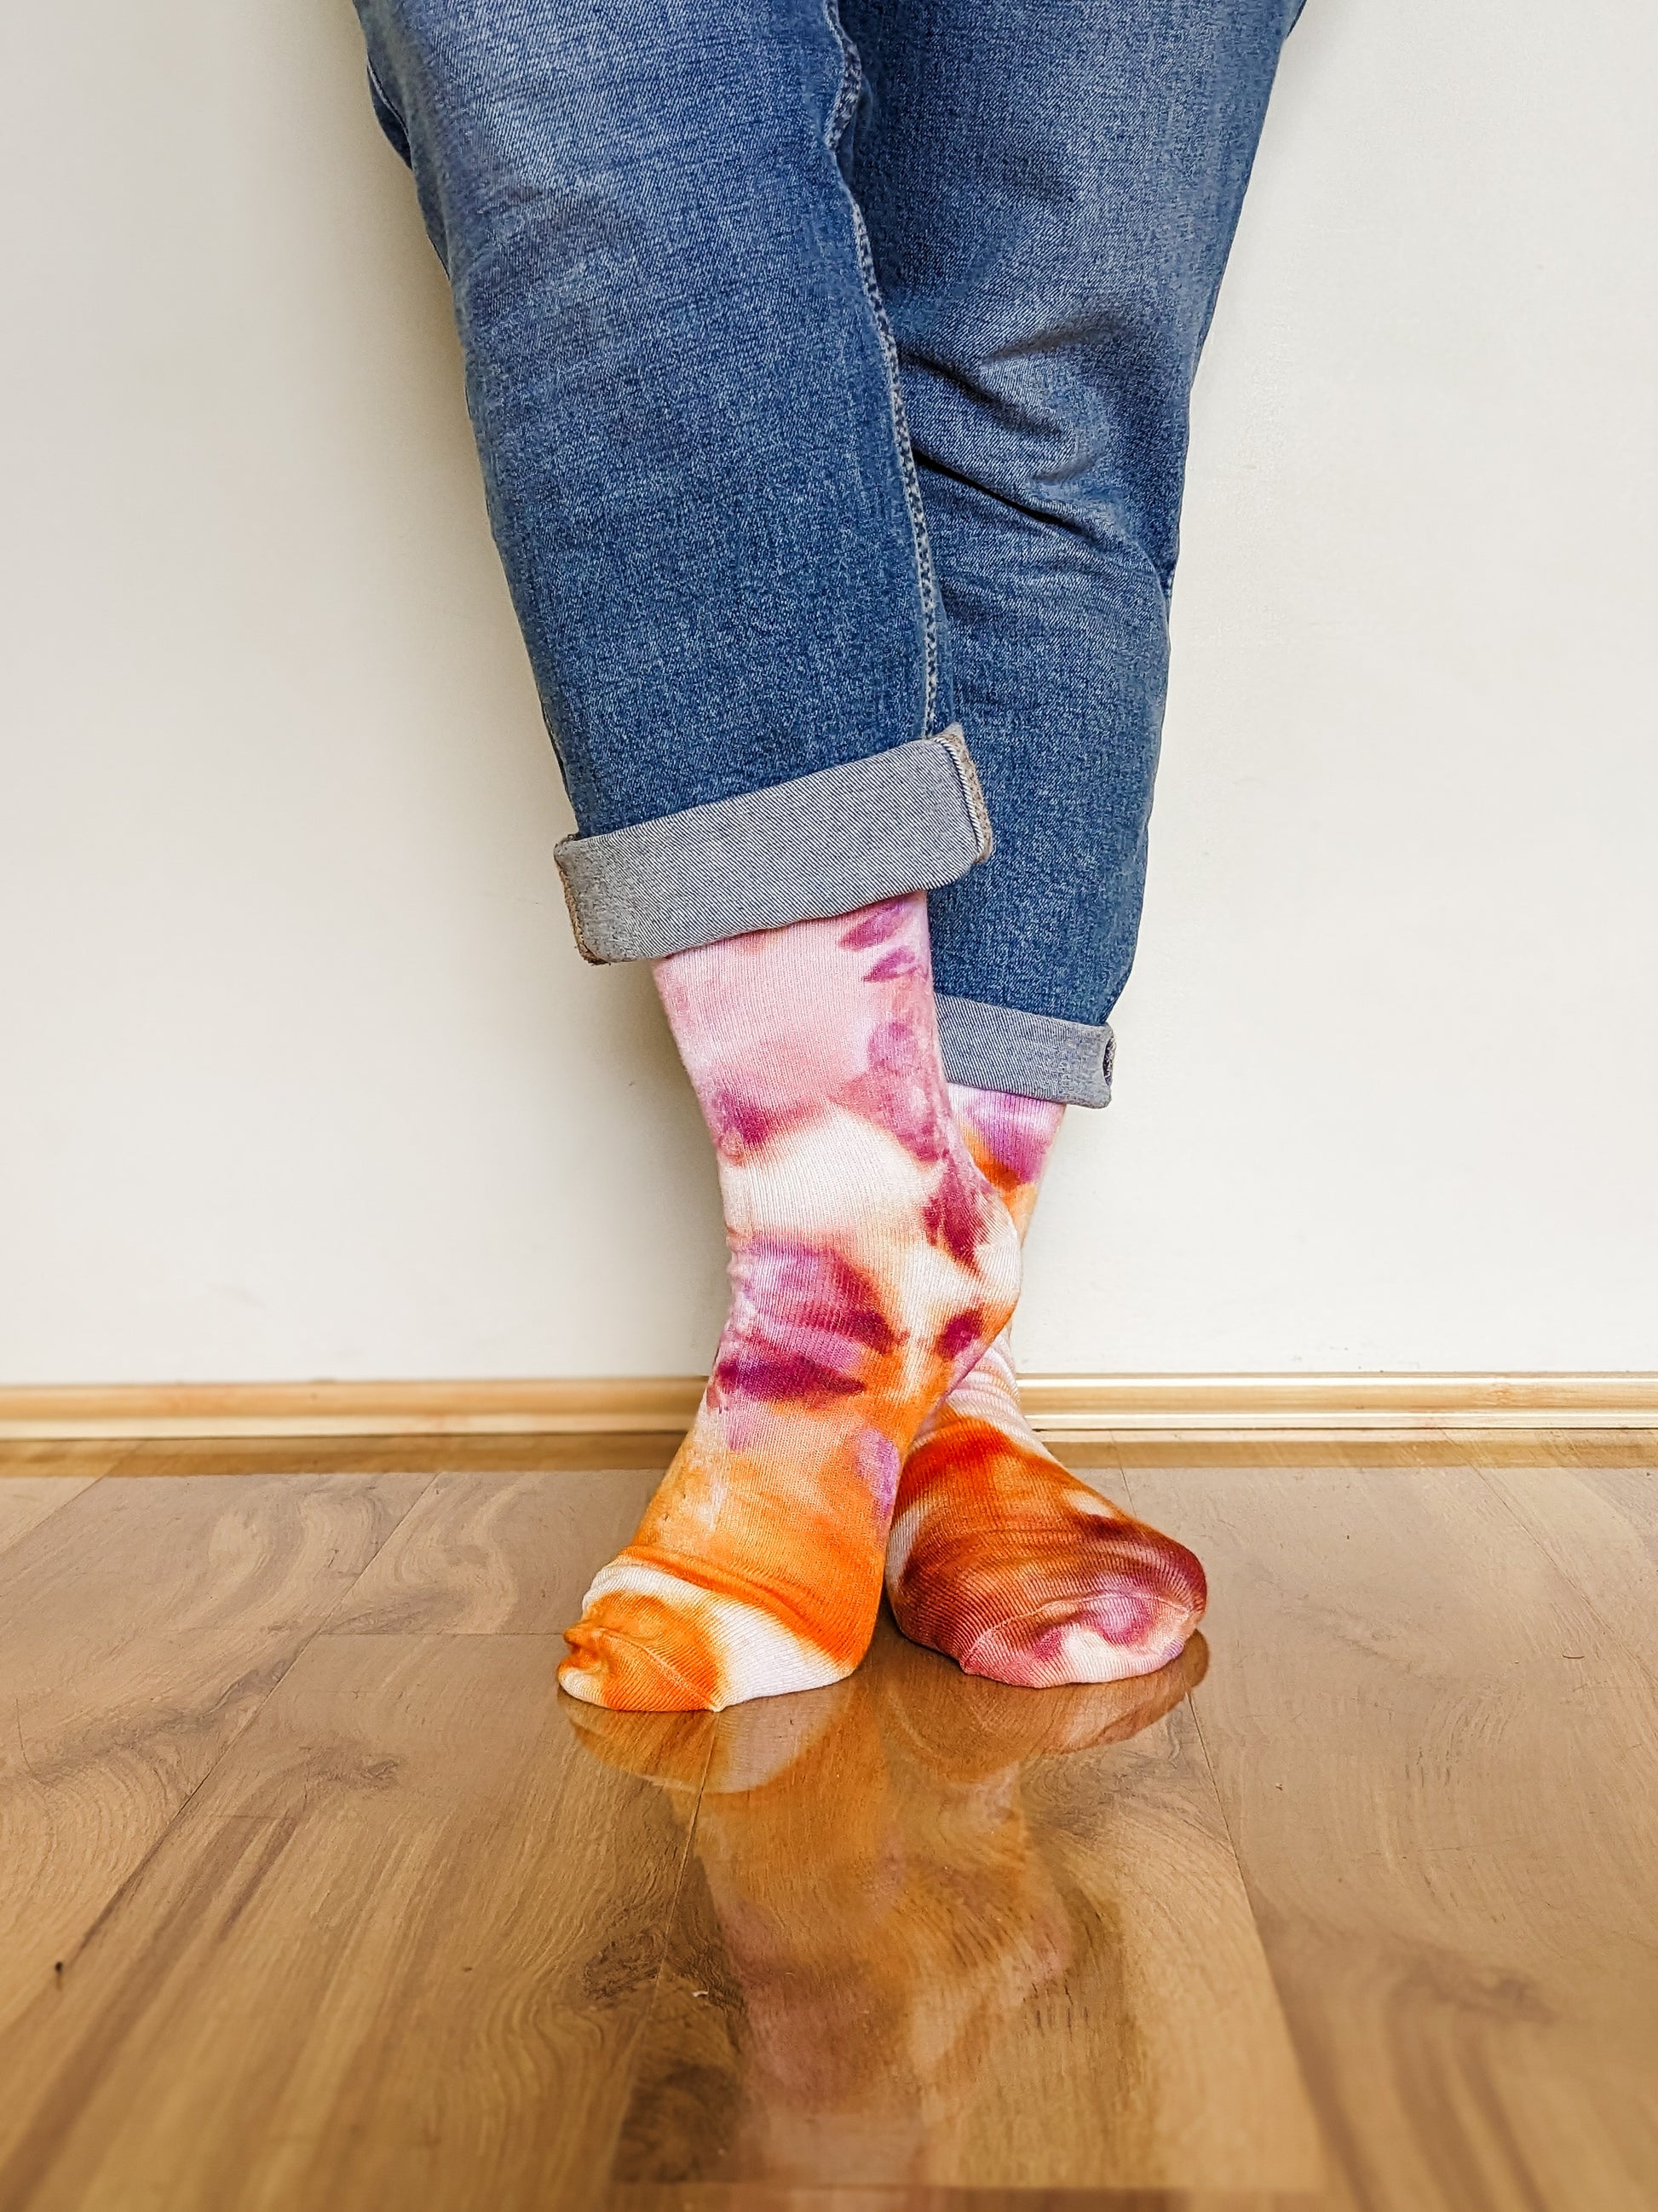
(301,1075)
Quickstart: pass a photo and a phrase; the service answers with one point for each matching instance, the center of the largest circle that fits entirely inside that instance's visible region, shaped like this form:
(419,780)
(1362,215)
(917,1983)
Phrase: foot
(999,1556)
(870,1263)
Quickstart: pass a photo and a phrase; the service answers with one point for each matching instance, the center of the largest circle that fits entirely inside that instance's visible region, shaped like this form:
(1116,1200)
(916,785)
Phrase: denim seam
(594,959)
(968,768)
(380,93)
(851,87)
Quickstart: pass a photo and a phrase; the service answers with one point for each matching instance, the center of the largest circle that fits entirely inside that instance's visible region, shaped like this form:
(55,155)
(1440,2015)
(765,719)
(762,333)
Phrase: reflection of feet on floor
(872,1911)
(1001,1557)
(964,1728)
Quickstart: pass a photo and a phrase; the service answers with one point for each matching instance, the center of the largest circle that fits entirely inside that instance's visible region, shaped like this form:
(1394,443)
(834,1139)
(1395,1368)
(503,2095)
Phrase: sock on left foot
(999,1556)
(871,1264)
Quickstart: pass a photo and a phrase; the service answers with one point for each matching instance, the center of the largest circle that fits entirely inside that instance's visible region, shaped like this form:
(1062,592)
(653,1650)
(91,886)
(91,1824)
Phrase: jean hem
(912,819)
(1031,1055)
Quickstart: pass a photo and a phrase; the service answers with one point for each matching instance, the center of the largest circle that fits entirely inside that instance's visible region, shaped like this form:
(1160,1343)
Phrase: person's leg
(1051,187)
(686,404)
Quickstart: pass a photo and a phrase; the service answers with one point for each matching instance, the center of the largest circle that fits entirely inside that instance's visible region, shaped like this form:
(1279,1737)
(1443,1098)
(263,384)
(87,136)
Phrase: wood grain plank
(725,2197)
(1574,1447)
(144,1625)
(1237,1454)
(394,1953)
(1600,1526)
(416,1455)
(1439,1770)
(26,1459)
(26,1500)
(940,1932)
(484,1555)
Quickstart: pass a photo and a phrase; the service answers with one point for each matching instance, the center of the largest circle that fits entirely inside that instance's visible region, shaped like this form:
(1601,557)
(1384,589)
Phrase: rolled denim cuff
(1032,1055)
(905,820)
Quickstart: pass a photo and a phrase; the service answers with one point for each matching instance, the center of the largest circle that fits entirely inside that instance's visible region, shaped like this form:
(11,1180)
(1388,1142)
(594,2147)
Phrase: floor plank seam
(9,1559)
(135,1874)
(1247,1886)
(606,2170)
(351,1589)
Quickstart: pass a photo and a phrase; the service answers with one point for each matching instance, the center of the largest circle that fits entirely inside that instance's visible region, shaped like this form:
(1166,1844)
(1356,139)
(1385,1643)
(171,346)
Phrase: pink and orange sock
(871,1265)
(997,1555)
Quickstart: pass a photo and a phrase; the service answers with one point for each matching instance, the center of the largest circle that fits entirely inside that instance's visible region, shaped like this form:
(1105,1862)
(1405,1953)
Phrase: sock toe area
(1100,1600)
(1100,1638)
(634,1654)
(650,1640)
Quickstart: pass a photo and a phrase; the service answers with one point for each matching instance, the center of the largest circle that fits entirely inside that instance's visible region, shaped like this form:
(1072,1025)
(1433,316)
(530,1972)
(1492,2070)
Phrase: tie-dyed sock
(870,1265)
(997,1555)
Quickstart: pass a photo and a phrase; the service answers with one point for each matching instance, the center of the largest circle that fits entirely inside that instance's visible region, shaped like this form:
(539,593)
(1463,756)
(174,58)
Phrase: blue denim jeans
(830,377)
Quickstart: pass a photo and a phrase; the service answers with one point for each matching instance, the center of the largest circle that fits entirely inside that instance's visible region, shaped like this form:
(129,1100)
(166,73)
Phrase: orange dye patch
(645,1656)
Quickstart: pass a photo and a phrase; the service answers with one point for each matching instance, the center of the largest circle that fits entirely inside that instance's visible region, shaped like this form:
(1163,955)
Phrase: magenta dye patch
(876,924)
(896,1047)
(741,1124)
(962,1331)
(811,1286)
(901,961)
(805,1325)
(1017,1134)
(899,1091)
(954,1215)
(778,1378)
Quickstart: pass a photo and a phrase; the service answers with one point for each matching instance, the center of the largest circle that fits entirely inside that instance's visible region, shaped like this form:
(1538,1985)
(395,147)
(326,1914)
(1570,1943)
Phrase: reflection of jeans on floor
(830,379)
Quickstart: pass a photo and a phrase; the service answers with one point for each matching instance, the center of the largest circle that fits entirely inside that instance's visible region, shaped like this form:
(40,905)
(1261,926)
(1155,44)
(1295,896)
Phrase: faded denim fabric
(841,838)
(830,385)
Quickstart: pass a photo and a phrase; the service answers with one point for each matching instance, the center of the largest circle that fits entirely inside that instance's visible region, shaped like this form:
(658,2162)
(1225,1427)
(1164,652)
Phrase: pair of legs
(830,377)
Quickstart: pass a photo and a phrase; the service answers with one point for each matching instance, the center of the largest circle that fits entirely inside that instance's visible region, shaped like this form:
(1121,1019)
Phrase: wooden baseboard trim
(1074,1406)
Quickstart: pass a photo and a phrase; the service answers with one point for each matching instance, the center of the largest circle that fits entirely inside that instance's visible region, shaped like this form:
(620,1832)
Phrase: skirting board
(1072,1407)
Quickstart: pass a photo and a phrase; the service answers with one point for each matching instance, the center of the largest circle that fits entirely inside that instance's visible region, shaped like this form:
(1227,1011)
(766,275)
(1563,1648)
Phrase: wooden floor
(314,1893)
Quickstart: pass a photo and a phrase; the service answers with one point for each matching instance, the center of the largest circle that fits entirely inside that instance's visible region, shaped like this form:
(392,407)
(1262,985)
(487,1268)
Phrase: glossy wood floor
(315,1893)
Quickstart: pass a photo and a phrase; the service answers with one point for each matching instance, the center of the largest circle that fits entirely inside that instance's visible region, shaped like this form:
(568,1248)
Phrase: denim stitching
(968,768)
(852,80)
(594,959)
(852,83)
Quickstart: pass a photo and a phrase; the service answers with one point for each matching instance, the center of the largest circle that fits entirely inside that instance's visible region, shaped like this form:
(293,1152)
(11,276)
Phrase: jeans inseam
(845,102)
(387,115)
